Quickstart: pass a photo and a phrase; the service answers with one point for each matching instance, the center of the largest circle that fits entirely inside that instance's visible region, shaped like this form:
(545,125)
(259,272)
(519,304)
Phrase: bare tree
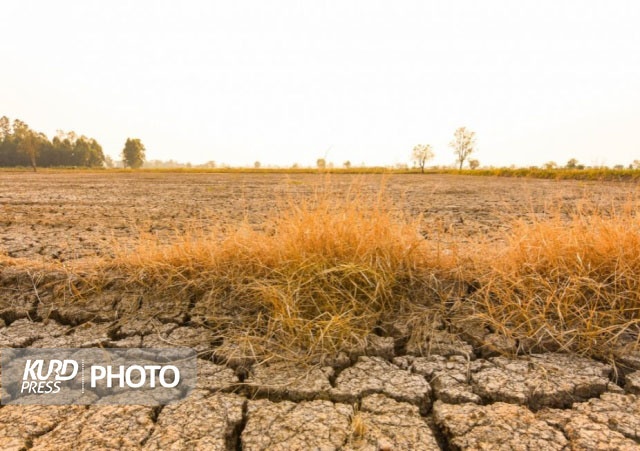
(463,145)
(421,154)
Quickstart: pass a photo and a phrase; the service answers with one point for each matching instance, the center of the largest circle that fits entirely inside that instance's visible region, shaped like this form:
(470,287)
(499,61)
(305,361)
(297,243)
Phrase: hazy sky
(292,81)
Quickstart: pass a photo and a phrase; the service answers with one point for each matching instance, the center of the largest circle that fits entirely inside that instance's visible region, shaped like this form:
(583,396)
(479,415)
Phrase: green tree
(29,142)
(421,154)
(6,142)
(463,145)
(133,153)
(572,164)
(321,163)
(474,164)
(87,152)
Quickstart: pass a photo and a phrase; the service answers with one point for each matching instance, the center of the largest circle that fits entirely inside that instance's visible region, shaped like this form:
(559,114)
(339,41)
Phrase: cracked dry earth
(445,394)
(377,401)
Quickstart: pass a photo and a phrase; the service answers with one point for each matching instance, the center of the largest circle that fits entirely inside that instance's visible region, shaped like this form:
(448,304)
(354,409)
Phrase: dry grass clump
(570,284)
(314,280)
(325,272)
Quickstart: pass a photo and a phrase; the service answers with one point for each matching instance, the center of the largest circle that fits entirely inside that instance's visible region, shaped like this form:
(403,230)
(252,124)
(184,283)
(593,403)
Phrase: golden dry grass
(359,427)
(564,283)
(316,279)
(325,272)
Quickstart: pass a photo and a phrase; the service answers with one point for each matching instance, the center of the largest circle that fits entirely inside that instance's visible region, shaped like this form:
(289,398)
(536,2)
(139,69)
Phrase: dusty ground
(68,216)
(444,394)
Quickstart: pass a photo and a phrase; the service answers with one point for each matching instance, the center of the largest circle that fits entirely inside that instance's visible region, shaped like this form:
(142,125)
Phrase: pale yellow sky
(292,81)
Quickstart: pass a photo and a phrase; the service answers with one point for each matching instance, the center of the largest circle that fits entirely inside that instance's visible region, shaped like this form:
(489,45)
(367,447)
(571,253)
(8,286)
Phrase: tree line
(22,146)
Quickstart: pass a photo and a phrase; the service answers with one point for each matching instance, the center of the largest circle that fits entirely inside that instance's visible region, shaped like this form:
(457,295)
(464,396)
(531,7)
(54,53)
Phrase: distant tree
(474,164)
(463,145)
(5,128)
(618,167)
(257,165)
(108,162)
(550,165)
(635,164)
(133,153)
(420,154)
(347,164)
(572,164)
(29,142)
(321,163)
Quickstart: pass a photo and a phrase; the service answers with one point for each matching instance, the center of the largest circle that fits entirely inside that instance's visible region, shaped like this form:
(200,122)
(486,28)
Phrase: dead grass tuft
(359,427)
(563,283)
(314,280)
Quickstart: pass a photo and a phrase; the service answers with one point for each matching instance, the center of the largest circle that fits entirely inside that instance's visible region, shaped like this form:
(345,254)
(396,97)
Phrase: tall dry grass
(563,283)
(316,279)
(326,271)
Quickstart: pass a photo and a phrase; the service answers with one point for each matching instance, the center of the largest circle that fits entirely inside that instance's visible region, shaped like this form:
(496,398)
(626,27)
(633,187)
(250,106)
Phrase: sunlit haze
(288,82)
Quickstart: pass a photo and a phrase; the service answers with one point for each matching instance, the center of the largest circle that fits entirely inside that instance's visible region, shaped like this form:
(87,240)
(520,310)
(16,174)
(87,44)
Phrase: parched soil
(441,394)
(70,216)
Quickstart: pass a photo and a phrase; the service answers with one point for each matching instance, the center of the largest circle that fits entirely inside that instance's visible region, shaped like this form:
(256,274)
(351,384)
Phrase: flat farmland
(67,216)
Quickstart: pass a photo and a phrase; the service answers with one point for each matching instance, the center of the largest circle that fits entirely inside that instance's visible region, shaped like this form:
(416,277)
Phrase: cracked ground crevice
(234,442)
(154,414)
(548,401)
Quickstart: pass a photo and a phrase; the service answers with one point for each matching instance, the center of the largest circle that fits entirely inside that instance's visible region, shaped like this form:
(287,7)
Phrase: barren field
(69,216)
(337,326)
